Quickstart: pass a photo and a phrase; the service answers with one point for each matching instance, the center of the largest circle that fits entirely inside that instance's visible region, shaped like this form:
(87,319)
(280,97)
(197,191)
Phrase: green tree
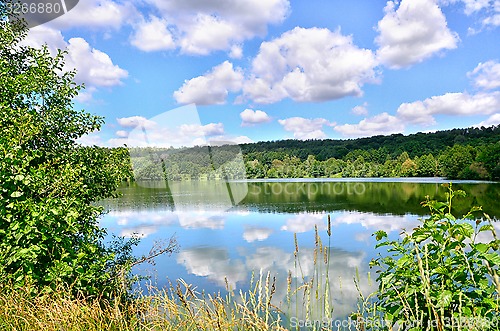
(426,165)
(490,158)
(455,161)
(49,185)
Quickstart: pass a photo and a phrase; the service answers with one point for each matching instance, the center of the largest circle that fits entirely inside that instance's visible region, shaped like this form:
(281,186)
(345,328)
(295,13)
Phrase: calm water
(222,238)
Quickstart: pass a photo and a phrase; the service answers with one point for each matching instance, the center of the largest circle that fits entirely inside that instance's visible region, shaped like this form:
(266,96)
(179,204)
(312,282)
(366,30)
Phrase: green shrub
(49,185)
(440,276)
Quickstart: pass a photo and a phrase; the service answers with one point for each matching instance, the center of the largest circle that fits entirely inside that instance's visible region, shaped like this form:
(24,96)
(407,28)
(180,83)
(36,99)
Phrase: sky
(259,70)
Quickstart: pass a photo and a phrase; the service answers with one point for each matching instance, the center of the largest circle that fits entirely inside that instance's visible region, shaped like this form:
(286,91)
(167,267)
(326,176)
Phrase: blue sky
(276,69)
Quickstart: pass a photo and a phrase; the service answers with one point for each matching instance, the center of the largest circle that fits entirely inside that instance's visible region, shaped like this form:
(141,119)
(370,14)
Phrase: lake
(229,230)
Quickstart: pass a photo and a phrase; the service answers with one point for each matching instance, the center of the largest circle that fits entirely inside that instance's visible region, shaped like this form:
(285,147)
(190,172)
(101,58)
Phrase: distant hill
(417,144)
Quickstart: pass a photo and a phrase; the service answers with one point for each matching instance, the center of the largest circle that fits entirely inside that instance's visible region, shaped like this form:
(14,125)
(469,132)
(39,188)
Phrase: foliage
(454,161)
(476,156)
(444,271)
(49,185)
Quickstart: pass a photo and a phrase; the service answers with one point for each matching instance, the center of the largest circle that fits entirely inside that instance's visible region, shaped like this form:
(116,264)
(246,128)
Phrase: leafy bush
(443,274)
(49,185)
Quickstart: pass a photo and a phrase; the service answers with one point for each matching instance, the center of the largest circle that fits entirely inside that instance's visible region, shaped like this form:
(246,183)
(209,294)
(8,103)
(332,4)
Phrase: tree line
(472,153)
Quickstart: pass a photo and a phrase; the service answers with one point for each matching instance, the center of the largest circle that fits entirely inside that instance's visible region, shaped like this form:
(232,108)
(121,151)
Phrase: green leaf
(493,258)
(487,227)
(19,177)
(380,234)
(445,298)
(482,248)
(16,194)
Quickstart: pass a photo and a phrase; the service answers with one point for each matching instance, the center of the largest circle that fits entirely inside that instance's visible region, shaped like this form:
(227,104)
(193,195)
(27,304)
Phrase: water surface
(223,244)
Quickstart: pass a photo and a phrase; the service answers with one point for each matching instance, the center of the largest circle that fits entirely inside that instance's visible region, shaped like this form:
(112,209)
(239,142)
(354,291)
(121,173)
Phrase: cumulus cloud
(381,124)
(135,121)
(90,139)
(251,117)
(487,10)
(309,65)
(94,68)
(122,133)
(213,263)
(412,32)
(304,222)
(96,14)
(492,120)
(494,17)
(304,128)
(387,223)
(236,52)
(252,234)
(206,26)
(152,35)
(486,75)
(463,104)
(360,109)
(196,130)
(211,88)
(214,222)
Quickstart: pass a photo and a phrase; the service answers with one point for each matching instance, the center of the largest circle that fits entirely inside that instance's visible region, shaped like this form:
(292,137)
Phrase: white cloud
(421,112)
(309,65)
(236,52)
(122,134)
(494,18)
(153,35)
(195,130)
(42,35)
(360,109)
(199,221)
(486,75)
(381,124)
(96,14)
(250,117)
(472,6)
(388,223)
(94,67)
(304,128)
(304,223)
(492,120)
(90,139)
(412,32)
(206,26)
(488,10)
(211,88)
(135,121)
(252,234)
(239,139)
(213,263)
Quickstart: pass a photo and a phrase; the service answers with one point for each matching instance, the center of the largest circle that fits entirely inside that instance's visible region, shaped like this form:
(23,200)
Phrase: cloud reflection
(304,223)
(217,265)
(388,223)
(213,263)
(252,233)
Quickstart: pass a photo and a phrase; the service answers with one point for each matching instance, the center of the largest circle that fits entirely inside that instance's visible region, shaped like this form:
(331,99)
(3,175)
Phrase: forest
(471,153)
